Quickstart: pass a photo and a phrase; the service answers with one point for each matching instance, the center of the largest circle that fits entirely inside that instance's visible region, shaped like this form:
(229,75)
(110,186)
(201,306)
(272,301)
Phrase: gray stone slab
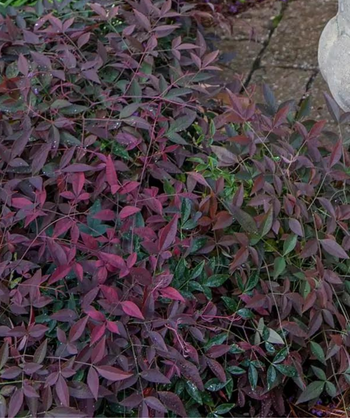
(286,83)
(254,24)
(295,41)
(245,54)
(244,41)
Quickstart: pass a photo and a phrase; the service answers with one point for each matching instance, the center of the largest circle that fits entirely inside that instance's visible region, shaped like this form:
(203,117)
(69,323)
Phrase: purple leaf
(77,329)
(131,309)
(62,390)
(93,382)
(112,373)
(173,403)
(128,211)
(155,404)
(333,248)
(154,376)
(168,234)
(15,403)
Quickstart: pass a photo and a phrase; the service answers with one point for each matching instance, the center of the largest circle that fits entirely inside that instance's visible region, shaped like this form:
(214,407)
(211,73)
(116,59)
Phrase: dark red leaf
(132,310)
(128,211)
(62,390)
(77,329)
(171,293)
(154,376)
(168,234)
(173,403)
(155,404)
(333,248)
(15,403)
(93,382)
(112,373)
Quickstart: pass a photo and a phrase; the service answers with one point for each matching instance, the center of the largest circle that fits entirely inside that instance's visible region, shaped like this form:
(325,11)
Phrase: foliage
(156,255)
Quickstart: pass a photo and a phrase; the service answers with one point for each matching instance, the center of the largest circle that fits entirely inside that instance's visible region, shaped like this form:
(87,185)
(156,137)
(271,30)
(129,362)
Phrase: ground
(276,43)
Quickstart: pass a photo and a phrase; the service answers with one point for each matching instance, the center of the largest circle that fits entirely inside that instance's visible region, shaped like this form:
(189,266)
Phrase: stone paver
(246,54)
(256,24)
(286,83)
(295,42)
(284,57)
(250,33)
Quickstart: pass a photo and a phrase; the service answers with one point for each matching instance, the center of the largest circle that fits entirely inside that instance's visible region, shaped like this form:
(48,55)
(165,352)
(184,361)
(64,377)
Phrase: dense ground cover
(161,256)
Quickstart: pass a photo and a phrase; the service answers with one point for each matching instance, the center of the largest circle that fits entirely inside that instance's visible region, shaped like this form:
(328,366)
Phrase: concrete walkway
(276,43)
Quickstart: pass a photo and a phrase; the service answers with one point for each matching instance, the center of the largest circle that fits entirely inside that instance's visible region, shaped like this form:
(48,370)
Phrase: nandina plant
(160,257)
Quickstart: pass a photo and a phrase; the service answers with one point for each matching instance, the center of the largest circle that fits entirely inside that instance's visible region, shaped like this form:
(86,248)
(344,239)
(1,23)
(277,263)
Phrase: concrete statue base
(334,55)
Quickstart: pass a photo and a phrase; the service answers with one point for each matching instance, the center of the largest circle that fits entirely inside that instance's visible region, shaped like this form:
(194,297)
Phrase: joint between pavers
(289,67)
(309,85)
(256,65)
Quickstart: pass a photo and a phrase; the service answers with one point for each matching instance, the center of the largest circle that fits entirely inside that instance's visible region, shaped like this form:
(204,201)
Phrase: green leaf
(317,351)
(224,408)
(213,385)
(60,104)
(186,208)
(280,356)
(68,139)
(197,244)
(319,373)
(176,138)
(135,91)
(217,340)
(129,110)
(252,282)
(289,244)
(270,348)
(266,224)
(230,303)
(245,313)
(253,376)
(271,376)
(279,267)
(236,349)
(229,387)
(235,370)
(193,391)
(287,370)
(312,391)
(173,93)
(331,389)
(212,128)
(244,219)
(216,280)
(197,271)
(74,110)
(182,123)
(274,338)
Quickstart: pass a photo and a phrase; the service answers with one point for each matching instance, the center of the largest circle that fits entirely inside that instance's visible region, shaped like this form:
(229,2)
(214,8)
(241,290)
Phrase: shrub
(156,255)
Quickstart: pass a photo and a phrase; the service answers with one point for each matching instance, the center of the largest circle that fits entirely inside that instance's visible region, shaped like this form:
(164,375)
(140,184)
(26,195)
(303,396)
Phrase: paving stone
(286,83)
(244,55)
(295,41)
(254,24)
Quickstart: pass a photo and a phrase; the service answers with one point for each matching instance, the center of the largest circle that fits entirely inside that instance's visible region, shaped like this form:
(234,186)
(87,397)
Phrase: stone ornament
(334,55)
